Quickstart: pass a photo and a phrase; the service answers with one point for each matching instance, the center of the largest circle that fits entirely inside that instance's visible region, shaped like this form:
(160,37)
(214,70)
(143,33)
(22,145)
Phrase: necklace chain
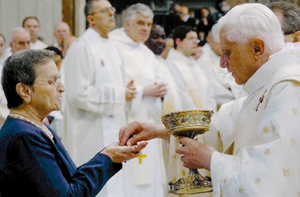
(43,128)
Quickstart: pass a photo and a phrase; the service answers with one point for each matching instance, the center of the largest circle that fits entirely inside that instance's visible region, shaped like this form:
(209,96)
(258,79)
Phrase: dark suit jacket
(32,165)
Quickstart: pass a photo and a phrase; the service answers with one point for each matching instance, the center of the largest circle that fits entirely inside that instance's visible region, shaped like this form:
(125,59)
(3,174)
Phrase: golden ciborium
(189,124)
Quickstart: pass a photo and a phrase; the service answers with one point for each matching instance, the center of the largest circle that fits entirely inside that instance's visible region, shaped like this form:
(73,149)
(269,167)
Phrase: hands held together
(156,90)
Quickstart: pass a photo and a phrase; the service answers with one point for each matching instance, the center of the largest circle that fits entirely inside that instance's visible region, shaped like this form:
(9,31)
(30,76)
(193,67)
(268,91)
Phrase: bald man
(61,31)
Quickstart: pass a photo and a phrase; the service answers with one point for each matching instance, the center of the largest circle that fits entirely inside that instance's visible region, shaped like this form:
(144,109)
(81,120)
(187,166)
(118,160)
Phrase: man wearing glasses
(96,94)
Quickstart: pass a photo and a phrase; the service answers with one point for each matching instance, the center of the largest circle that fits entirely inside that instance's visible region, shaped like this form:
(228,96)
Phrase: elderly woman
(33,162)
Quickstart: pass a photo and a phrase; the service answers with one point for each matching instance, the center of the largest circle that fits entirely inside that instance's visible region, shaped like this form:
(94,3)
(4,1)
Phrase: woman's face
(47,89)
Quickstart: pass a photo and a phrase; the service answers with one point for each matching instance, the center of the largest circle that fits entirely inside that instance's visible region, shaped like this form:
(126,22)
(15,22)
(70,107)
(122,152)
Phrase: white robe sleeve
(80,89)
(271,166)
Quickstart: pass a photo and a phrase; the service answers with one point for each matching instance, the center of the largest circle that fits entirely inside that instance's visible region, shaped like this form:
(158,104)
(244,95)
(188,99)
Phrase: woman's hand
(119,154)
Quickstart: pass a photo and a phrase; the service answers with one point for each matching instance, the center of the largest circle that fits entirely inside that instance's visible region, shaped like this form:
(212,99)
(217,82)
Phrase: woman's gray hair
(248,21)
(140,8)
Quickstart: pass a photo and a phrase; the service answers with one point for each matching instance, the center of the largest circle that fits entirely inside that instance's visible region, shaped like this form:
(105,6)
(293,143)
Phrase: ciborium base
(195,183)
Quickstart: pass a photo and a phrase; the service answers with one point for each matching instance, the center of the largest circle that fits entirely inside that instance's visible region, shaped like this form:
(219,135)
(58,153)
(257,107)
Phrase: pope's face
(138,29)
(47,89)
(157,39)
(238,59)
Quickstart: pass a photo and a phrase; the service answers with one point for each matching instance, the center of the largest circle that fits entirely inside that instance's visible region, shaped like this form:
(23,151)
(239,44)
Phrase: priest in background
(96,92)
(141,66)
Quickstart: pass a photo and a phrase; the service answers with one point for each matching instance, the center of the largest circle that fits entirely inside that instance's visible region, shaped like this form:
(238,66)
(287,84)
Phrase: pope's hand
(195,153)
(119,154)
(141,131)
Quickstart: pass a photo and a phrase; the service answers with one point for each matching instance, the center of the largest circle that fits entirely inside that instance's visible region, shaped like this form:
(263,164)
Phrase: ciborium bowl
(189,123)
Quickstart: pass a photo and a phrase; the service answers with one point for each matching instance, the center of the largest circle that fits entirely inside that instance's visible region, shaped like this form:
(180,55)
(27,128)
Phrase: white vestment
(195,91)
(38,45)
(95,100)
(262,133)
(4,111)
(225,88)
(146,175)
(192,93)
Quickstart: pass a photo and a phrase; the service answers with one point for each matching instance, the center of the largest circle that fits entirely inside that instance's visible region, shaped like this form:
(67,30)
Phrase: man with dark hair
(289,18)
(96,91)
(185,44)
(32,25)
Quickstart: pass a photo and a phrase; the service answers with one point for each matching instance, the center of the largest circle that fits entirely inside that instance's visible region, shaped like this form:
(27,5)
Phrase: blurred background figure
(186,18)
(198,53)
(172,19)
(20,39)
(205,24)
(32,25)
(2,48)
(66,44)
(289,18)
(61,31)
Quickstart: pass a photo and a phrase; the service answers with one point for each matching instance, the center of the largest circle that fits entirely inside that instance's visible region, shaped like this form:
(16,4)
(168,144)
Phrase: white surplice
(190,77)
(38,45)
(146,175)
(261,135)
(95,101)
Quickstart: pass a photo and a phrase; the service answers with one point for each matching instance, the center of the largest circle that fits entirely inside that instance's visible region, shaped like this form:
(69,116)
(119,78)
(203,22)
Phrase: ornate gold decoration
(189,123)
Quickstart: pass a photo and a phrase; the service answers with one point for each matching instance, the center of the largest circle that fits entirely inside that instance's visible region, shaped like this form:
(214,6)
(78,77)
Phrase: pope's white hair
(248,21)
(140,8)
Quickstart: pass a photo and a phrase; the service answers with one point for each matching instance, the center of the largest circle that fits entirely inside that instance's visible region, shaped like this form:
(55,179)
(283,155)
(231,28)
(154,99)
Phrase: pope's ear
(24,92)
(296,36)
(259,47)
